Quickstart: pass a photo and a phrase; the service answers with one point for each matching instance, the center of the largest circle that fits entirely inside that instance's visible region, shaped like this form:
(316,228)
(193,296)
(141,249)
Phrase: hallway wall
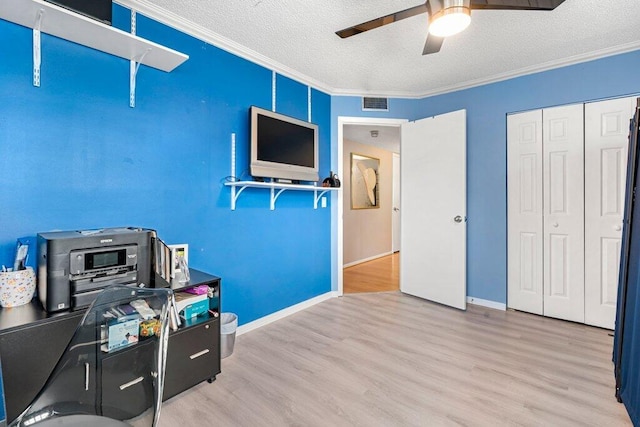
(367,232)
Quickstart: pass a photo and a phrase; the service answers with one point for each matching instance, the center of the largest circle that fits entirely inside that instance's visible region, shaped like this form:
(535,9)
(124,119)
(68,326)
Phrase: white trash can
(228,327)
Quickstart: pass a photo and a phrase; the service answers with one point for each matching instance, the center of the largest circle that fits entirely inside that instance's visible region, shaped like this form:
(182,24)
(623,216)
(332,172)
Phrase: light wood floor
(379,275)
(388,359)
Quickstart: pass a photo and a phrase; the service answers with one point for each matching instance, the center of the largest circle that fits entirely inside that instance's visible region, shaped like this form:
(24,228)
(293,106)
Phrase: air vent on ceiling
(375,104)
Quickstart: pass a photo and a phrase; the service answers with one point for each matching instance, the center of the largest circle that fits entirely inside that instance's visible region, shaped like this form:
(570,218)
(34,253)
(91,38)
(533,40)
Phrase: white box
(183,299)
(177,251)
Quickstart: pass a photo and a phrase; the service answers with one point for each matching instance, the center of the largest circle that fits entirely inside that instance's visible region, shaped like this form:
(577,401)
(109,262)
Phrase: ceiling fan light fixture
(449,21)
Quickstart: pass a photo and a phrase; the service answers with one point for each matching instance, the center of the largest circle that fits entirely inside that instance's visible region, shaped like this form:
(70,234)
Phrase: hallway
(378,275)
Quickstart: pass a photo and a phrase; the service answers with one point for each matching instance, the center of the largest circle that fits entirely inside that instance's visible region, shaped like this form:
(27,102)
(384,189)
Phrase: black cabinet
(194,349)
(193,356)
(32,341)
(127,385)
(29,352)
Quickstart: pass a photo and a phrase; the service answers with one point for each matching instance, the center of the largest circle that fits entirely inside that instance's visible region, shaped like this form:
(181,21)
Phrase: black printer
(74,266)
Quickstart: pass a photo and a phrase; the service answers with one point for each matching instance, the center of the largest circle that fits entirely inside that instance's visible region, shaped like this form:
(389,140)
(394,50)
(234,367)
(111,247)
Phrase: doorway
(369,242)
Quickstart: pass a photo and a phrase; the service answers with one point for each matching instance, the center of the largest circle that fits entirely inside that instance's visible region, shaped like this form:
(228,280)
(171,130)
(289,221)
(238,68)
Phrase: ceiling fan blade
(432,45)
(383,20)
(516,4)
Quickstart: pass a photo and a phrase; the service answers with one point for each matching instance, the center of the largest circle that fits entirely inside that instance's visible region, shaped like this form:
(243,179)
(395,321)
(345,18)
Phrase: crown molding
(181,24)
(538,68)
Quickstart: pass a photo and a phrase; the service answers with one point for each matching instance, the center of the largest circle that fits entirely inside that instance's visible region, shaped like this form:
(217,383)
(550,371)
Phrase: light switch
(323,202)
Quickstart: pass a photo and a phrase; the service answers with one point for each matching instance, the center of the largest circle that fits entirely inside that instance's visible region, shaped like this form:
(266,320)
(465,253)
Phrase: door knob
(458,218)
(617,228)
(396,209)
(555,225)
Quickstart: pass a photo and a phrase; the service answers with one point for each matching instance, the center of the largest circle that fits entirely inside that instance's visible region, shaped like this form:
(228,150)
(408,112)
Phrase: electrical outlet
(323,202)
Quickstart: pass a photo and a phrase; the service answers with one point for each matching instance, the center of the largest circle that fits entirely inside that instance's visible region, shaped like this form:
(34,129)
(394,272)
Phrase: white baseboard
(333,294)
(284,313)
(487,303)
(371,258)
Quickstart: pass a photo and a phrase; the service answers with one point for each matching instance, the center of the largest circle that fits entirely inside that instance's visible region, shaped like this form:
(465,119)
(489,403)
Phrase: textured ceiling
(388,136)
(299,37)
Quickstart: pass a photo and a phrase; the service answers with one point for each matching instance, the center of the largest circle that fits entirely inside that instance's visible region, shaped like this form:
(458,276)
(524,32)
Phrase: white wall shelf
(60,22)
(276,189)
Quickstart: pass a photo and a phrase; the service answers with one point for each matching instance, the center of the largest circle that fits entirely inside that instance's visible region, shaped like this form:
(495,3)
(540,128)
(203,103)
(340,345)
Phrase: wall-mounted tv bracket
(276,188)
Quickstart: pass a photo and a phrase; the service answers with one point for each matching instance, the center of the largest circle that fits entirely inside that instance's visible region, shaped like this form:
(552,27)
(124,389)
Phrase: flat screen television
(282,147)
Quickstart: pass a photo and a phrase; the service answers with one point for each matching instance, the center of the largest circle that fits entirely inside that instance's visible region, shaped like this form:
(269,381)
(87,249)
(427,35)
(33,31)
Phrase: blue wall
(487,107)
(73,155)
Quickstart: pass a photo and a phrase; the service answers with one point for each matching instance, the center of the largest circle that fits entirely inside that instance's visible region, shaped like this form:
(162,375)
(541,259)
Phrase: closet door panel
(524,169)
(606,141)
(563,222)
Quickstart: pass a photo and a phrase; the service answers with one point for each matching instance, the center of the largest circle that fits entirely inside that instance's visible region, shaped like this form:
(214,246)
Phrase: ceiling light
(374,134)
(454,17)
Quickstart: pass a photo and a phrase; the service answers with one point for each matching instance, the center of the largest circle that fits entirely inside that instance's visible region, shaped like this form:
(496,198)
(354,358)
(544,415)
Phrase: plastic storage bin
(228,327)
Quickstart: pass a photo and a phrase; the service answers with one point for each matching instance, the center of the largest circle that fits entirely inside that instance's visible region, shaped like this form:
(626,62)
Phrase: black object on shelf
(100,10)
(332,180)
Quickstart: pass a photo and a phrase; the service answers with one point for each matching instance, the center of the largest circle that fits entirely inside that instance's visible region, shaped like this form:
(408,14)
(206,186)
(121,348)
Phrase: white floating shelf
(77,28)
(276,189)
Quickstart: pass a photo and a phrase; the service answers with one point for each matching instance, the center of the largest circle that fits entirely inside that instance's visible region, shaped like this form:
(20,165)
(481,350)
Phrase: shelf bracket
(133,72)
(234,196)
(37,57)
(316,197)
(134,65)
(274,197)
(275,190)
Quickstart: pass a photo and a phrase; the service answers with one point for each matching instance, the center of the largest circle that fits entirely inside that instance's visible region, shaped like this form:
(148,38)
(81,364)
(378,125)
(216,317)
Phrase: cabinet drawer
(193,356)
(127,386)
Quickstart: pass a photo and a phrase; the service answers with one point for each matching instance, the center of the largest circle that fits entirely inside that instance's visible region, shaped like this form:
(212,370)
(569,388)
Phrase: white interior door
(395,214)
(606,143)
(524,200)
(433,209)
(563,192)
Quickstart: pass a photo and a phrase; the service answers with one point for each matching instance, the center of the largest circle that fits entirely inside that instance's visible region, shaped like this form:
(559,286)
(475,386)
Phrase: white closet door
(605,158)
(524,180)
(563,180)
